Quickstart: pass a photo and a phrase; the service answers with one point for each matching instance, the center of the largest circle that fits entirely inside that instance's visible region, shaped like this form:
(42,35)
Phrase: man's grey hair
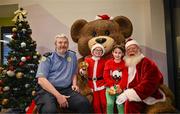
(61,36)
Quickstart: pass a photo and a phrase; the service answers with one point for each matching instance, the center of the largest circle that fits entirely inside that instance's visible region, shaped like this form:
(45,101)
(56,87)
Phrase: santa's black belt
(95,79)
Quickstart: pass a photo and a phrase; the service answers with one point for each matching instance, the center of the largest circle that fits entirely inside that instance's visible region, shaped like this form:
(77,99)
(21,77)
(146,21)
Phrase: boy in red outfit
(95,78)
(115,75)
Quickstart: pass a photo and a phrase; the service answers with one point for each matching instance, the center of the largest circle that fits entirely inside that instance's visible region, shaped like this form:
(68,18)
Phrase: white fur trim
(132,95)
(111,18)
(131,73)
(98,45)
(94,73)
(97,17)
(130,43)
(152,100)
(99,88)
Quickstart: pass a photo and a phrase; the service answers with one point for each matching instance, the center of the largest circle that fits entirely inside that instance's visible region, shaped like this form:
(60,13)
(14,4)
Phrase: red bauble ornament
(11,68)
(1,82)
(21,63)
(28,57)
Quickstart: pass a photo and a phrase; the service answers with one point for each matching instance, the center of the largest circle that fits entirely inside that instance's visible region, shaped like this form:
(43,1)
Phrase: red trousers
(99,102)
(134,107)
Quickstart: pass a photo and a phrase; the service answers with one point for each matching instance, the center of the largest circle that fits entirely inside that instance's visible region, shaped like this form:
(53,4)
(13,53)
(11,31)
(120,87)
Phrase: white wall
(146,15)
(49,17)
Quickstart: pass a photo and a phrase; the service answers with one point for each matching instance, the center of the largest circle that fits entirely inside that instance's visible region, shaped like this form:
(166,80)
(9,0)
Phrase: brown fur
(82,82)
(163,107)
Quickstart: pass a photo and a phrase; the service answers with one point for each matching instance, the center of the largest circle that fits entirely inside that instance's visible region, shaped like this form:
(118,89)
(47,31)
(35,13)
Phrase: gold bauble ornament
(14,29)
(19,75)
(1,69)
(33,93)
(5,101)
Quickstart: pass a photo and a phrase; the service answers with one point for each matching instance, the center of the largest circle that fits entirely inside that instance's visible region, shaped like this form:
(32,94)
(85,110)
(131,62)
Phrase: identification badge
(69,59)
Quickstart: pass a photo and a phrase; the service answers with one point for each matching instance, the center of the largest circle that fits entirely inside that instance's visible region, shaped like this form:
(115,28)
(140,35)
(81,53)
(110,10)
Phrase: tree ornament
(21,63)
(23,44)
(24,30)
(27,85)
(5,101)
(14,58)
(10,73)
(1,90)
(1,82)
(4,72)
(20,25)
(1,69)
(23,59)
(11,68)
(19,75)
(33,93)
(6,88)
(28,57)
(15,89)
(32,71)
(34,57)
(14,29)
(20,15)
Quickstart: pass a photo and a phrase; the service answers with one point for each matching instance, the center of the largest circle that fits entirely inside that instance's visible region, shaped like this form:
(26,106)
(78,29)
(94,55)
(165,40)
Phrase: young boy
(115,76)
(95,78)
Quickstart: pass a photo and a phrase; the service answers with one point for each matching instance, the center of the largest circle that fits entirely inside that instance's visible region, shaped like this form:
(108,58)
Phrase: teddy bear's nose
(101,40)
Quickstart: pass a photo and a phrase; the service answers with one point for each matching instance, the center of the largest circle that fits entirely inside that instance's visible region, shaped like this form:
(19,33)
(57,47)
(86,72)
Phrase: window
(6,34)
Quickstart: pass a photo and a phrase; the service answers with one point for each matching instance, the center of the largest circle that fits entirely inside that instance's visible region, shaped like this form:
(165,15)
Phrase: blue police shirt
(57,69)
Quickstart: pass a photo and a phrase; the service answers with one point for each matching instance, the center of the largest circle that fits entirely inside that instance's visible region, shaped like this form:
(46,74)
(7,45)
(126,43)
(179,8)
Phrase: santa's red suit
(143,86)
(96,82)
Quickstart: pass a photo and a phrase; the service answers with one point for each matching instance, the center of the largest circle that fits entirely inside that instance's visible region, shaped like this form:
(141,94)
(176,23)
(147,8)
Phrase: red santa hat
(103,17)
(131,42)
(98,45)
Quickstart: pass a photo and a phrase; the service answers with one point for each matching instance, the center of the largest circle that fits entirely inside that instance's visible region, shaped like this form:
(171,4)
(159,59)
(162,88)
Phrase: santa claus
(144,79)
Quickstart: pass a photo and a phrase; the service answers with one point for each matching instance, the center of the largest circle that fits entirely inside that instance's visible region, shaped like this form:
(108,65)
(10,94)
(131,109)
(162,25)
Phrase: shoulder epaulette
(47,54)
(72,51)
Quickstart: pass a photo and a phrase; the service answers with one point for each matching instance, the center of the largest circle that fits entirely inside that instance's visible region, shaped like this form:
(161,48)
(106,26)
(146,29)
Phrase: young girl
(115,76)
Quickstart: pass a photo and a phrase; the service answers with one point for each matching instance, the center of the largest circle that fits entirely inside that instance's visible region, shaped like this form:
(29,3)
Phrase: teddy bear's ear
(125,25)
(76,28)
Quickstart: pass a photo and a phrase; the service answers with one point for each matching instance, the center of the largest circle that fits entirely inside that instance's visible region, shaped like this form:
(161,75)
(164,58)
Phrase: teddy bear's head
(105,31)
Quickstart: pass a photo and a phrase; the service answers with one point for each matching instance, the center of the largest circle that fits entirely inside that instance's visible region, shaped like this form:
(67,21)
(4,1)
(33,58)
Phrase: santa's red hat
(98,45)
(131,42)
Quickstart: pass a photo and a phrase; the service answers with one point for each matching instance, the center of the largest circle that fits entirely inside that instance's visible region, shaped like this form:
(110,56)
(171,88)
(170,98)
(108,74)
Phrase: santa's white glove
(121,98)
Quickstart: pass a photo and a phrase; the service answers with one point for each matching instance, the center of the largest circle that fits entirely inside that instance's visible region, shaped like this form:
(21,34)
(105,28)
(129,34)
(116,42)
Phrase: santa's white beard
(133,60)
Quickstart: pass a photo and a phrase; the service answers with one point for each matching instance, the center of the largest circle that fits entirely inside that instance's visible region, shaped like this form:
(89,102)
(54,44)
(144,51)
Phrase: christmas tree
(17,77)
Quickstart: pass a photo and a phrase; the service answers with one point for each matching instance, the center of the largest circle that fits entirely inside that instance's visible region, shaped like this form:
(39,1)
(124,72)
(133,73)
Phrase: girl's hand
(118,89)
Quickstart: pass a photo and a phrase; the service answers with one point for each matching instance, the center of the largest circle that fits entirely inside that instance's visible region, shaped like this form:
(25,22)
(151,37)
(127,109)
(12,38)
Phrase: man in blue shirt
(57,79)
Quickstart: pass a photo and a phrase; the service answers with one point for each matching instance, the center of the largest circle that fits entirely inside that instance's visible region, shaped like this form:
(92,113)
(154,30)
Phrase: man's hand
(121,99)
(62,100)
(75,88)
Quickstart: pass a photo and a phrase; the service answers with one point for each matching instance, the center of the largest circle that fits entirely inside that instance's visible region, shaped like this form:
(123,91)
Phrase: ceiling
(8,10)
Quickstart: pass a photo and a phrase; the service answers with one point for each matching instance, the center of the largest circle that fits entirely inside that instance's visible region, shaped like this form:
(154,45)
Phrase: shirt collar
(61,55)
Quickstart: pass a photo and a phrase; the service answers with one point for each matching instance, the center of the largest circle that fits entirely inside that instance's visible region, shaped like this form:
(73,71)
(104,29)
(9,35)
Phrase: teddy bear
(108,32)
(82,79)
(103,30)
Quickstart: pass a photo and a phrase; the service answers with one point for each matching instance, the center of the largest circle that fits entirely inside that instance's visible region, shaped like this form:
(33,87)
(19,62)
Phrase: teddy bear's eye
(94,33)
(107,33)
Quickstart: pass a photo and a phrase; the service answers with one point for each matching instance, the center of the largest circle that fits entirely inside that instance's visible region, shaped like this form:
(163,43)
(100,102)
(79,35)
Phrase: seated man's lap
(46,102)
